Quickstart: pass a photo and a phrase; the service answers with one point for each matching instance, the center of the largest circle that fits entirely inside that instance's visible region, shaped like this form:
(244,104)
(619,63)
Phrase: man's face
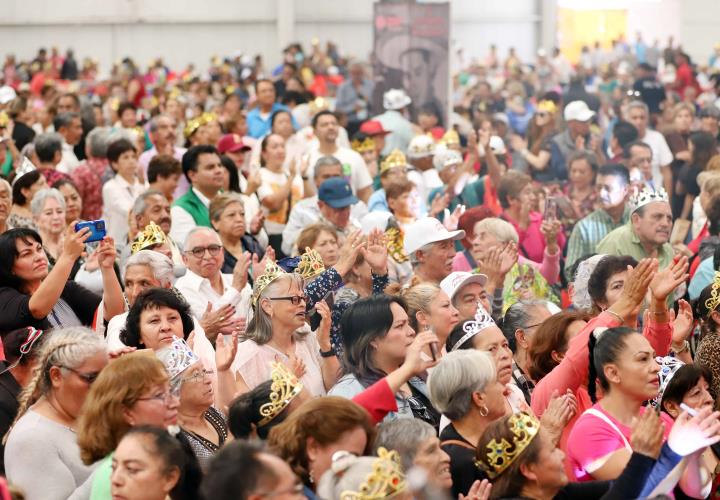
(67,104)
(210,172)
(709,124)
(339,217)
(437,262)
(73,132)
(356,72)
(266,94)
(641,158)
(612,191)
(467,298)
(578,128)
(418,78)
(158,211)
(655,224)
(326,172)
(326,129)
(639,118)
(138,279)
(207,243)
(129,118)
(165,133)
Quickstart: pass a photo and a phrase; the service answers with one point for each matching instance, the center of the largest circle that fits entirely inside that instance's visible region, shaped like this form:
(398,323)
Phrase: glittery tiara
(500,455)
(647,195)
(714,299)
(272,272)
(361,146)
(177,358)
(668,367)
(450,137)
(472,327)
(394,159)
(310,265)
(386,480)
(25,168)
(151,235)
(285,386)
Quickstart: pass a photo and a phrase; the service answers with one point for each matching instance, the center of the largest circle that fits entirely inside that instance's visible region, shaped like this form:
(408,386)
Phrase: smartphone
(434,350)
(97,229)
(315,318)
(550,209)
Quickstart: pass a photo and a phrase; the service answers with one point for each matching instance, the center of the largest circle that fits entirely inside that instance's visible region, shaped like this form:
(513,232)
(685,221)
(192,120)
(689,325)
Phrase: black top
(9,391)
(15,307)
(462,461)
(249,244)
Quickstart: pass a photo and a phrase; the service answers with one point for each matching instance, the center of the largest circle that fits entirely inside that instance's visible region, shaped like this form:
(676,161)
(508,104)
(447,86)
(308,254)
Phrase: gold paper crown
(386,480)
(361,146)
(501,455)
(450,137)
(285,386)
(310,265)
(714,299)
(547,106)
(272,272)
(4,119)
(191,127)
(151,235)
(394,159)
(396,245)
(207,117)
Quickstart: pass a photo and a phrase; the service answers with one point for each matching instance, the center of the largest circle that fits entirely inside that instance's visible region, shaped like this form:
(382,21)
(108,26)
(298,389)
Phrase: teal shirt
(101,489)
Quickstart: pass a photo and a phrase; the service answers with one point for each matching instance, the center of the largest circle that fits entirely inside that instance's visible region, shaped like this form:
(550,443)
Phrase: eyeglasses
(166,397)
(294,299)
(298,489)
(199,252)
(541,114)
(89,378)
(198,376)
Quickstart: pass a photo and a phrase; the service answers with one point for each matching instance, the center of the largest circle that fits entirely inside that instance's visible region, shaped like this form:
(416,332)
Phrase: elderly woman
(5,204)
(227,216)
(550,342)
(323,239)
(32,296)
(24,188)
(48,209)
(43,437)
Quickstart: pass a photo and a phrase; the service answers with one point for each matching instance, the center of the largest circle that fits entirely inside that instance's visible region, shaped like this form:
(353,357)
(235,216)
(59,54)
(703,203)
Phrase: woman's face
(435,462)
(493,341)
(29,193)
(581,174)
(51,219)
(31,263)
(158,326)
(73,203)
(683,121)
(274,154)
(369,156)
(443,315)
(5,202)
(494,396)
(327,246)
(614,288)
(484,241)
(232,221)
(283,125)
(635,372)
(320,456)
(393,346)
(157,406)
(400,206)
(70,387)
(549,469)
(138,473)
(542,118)
(699,397)
(284,312)
(196,389)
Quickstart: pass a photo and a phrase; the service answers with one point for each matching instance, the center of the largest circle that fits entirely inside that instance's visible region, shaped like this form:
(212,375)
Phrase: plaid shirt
(588,232)
(522,381)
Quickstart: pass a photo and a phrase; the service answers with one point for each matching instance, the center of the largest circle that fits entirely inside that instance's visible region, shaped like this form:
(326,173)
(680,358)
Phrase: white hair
(160,266)
(38,202)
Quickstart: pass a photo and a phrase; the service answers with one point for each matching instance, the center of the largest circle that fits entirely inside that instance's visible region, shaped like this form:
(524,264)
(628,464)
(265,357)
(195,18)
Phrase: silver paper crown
(668,368)
(474,326)
(177,357)
(25,168)
(648,195)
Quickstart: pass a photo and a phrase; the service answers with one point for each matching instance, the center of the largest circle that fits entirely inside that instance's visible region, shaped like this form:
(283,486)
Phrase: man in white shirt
(308,211)
(204,286)
(69,126)
(325,125)
(202,168)
(638,115)
(163,134)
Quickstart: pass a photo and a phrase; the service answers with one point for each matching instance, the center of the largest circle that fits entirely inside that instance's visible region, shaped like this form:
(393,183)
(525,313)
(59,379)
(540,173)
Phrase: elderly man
(466,291)
(430,247)
(648,232)
(578,116)
(307,211)
(92,173)
(638,115)
(204,287)
(163,135)
(354,95)
(69,126)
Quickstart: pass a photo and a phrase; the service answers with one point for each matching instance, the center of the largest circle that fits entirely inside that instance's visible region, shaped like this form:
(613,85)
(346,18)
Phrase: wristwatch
(327,354)
(685,347)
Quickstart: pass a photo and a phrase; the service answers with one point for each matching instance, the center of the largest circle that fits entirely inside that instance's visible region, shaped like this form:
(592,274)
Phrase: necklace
(58,413)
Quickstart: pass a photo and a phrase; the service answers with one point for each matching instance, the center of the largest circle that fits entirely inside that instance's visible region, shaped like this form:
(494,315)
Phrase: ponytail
(592,373)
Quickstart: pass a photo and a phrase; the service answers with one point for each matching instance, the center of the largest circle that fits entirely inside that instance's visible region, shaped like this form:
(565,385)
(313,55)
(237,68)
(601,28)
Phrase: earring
(311,478)
(484,412)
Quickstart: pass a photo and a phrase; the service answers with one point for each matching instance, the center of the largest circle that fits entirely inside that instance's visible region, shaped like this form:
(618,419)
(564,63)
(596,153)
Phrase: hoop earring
(484,412)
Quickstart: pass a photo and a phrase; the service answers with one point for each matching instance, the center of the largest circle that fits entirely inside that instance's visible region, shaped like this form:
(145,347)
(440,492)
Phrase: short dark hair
(163,166)
(277,113)
(627,149)
(150,299)
(263,80)
(24,182)
(9,252)
(236,471)
(124,106)
(625,133)
(684,379)
(116,149)
(190,158)
(324,112)
(398,187)
(511,184)
(65,182)
(616,170)
(604,270)
(47,145)
(64,120)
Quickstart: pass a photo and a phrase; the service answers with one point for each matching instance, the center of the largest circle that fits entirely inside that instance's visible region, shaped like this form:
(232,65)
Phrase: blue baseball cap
(337,193)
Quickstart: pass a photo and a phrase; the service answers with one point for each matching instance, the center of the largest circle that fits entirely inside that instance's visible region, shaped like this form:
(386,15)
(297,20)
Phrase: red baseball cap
(373,128)
(231,143)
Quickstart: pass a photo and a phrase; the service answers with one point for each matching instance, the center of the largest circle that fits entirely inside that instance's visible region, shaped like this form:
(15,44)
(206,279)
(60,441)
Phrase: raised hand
(323,331)
(648,434)
(376,253)
(683,323)
(414,362)
(451,221)
(258,267)
(439,203)
(220,320)
(668,279)
(225,350)
(690,434)
(240,271)
(558,413)
(256,223)
(550,230)
(480,490)
(106,253)
(74,242)
(638,281)
(349,252)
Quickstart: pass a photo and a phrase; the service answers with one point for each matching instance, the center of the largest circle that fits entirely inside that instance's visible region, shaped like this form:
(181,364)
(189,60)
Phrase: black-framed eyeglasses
(199,252)
(88,378)
(294,299)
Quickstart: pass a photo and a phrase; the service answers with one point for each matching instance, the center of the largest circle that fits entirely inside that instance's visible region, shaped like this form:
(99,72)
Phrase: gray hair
(197,230)
(517,317)
(260,328)
(65,119)
(501,229)
(5,184)
(140,204)
(46,145)
(404,436)
(155,122)
(98,140)
(454,380)
(38,202)
(638,105)
(160,266)
(324,161)
(414,261)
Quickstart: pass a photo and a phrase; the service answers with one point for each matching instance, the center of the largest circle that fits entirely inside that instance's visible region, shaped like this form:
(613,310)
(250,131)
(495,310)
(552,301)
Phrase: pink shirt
(532,242)
(549,268)
(593,440)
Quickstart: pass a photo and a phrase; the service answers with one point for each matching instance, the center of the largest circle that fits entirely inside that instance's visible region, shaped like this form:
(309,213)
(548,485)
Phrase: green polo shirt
(624,241)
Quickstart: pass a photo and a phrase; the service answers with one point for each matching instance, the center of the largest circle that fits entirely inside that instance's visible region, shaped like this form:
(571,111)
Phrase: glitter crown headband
(500,455)
(471,328)
(646,196)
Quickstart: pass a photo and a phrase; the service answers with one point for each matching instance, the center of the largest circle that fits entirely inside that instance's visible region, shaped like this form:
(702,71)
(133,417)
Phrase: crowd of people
(249,283)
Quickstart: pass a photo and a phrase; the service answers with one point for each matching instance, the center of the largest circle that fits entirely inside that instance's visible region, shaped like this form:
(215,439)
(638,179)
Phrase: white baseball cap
(578,110)
(421,146)
(396,99)
(428,230)
(454,281)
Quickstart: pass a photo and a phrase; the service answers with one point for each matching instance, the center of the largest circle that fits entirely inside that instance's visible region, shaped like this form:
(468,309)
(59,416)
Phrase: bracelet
(327,354)
(615,314)
(659,313)
(685,347)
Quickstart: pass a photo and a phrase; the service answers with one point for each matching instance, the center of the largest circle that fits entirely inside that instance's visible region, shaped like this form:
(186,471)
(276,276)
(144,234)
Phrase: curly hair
(154,298)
